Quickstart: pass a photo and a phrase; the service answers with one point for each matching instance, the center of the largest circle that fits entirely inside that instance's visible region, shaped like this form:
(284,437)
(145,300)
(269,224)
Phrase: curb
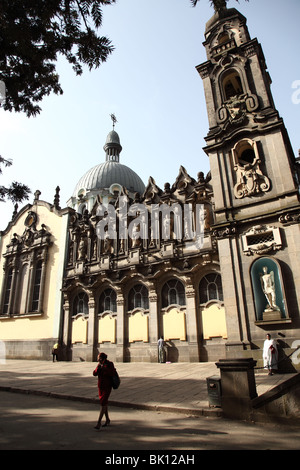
(206,412)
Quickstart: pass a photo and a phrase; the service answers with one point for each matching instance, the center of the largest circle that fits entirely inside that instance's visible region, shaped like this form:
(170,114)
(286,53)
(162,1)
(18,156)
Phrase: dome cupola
(112,147)
(105,178)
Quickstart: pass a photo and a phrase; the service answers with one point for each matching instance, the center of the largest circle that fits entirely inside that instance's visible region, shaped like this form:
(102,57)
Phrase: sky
(151,84)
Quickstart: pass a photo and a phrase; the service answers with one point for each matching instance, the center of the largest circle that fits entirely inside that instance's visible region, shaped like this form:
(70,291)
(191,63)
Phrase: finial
(56,198)
(37,195)
(114,120)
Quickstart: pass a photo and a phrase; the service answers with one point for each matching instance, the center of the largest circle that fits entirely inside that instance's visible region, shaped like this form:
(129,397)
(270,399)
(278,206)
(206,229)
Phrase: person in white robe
(161,350)
(270,354)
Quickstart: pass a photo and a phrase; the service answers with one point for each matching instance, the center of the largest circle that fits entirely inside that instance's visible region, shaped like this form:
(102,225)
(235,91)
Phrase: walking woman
(104,371)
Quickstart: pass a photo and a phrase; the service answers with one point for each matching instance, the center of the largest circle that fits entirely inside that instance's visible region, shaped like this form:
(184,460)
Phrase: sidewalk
(176,387)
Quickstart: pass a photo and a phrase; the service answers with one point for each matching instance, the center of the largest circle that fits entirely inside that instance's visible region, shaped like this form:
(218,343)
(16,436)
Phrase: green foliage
(17,192)
(32,35)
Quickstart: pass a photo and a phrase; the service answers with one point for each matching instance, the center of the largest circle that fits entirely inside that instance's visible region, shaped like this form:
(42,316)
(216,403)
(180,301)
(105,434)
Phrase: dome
(113,138)
(105,174)
(100,179)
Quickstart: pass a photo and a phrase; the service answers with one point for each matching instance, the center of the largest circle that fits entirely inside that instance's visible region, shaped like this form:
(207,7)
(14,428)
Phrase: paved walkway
(179,387)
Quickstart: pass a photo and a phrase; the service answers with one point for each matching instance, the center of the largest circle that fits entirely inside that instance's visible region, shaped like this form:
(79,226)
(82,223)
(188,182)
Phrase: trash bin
(214,390)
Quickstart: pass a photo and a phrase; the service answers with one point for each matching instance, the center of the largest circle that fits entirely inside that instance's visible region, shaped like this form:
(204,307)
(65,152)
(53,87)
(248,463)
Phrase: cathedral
(210,263)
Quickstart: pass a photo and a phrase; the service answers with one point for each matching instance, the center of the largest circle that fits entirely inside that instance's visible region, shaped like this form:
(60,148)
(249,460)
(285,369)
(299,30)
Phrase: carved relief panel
(249,177)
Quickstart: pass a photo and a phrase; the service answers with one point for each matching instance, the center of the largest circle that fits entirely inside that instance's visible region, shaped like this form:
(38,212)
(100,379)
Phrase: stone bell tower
(255,181)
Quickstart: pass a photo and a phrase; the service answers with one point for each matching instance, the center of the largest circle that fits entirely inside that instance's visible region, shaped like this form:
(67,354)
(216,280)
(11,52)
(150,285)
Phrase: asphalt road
(30,422)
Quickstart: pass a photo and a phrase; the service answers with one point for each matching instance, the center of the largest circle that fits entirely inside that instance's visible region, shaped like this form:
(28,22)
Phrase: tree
(17,192)
(217,4)
(32,35)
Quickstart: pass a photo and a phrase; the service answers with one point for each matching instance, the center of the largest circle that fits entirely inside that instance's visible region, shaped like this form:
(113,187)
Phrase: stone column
(13,288)
(191,323)
(252,53)
(204,72)
(233,296)
(67,330)
(43,278)
(120,328)
(30,283)
(153,325)
(238,387)
(91,346)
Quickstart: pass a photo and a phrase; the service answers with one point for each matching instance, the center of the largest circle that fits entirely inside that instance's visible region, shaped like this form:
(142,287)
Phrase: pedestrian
(55,352)
(270,354)
(105,370)
(161,349)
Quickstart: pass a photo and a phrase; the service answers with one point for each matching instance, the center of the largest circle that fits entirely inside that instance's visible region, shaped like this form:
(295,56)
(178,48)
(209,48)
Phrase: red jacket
(105,372)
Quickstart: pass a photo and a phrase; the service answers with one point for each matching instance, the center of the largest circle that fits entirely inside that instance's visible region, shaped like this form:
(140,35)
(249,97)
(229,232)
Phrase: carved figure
(268,287)
(107,245)
(237,107)
(136,241)
(250,180)
(82,249)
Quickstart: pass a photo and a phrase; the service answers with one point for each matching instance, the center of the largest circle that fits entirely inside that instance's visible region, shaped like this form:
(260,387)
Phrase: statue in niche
(167,228)
(71,251)
(122,246)
(268,286)
(82,249)
(206,219)
(136,240)
(108,245)
(94,249)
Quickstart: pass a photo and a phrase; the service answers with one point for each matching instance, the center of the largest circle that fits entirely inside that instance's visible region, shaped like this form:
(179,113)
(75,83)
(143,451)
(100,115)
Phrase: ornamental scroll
(250,180)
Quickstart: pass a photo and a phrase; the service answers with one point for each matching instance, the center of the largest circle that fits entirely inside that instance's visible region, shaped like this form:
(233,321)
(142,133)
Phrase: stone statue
(135,237)
(107,244)
(268,287)
(82,249)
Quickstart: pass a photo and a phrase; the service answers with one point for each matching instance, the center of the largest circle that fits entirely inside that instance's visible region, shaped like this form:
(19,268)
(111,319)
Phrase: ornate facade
(123,293)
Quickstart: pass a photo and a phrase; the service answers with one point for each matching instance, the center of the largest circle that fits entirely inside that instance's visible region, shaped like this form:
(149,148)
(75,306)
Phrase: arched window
(247,156)
(81,304)
(37,287)
(24,280)
(108,301)
(210,288)
(173,293)
(232,84)
(245,153)
(223,38)
(23,289)
(138,297)
(7,291)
